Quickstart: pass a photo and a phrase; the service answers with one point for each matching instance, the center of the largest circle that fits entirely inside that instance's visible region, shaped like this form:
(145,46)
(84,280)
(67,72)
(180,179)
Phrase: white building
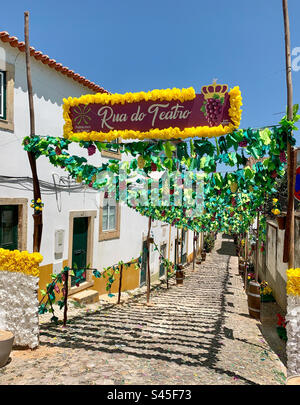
(73,221)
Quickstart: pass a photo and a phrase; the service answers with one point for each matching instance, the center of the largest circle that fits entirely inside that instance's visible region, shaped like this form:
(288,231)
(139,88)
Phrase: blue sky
(143,45)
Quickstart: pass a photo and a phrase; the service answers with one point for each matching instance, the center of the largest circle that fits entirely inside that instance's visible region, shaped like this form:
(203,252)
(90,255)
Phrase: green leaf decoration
(265,136)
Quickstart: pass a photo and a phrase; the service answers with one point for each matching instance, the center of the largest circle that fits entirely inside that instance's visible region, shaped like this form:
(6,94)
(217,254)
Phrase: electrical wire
(26,183)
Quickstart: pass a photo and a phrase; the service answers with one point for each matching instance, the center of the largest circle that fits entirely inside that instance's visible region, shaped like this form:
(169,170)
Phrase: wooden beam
(37,216)
(288,252)
(120,284)
(148,260)
(257,249)
(66,292)
(194,235)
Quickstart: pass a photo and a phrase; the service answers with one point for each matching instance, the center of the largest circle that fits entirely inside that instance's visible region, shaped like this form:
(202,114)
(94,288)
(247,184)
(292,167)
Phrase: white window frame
(8,85)
(107,234)
(109,203)
(2,95)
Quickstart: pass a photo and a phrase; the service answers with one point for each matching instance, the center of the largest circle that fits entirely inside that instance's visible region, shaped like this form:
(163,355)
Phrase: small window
(2,95)
(109,215)
(109,226)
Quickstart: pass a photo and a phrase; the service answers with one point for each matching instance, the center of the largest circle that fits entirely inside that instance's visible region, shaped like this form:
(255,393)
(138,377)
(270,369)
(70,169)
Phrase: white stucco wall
(19,307)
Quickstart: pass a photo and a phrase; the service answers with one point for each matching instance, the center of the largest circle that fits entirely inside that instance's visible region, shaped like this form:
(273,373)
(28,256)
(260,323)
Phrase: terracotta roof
(38,55)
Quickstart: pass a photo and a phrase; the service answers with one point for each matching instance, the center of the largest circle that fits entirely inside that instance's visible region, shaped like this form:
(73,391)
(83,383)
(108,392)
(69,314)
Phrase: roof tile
(38,55)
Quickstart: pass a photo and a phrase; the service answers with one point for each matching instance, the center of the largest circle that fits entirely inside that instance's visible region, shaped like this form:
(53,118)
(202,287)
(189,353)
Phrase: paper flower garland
(23,262)
(155,95)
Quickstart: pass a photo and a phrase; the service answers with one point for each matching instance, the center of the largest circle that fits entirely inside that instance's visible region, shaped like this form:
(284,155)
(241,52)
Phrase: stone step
(86,297)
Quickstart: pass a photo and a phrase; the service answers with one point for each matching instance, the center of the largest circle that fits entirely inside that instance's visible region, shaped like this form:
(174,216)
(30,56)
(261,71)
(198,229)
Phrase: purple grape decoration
(212,109)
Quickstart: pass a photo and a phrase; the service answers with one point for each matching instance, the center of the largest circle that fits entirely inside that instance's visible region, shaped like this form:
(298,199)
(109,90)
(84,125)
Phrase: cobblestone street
(196,334)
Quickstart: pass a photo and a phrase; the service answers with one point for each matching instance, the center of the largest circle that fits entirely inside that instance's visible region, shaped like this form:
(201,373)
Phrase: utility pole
(37,216)
(148,262)
(288,253)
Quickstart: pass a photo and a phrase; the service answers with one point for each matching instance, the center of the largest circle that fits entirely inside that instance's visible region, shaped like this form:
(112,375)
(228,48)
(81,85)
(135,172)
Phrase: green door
(9,227)
(79,252)
(144,265)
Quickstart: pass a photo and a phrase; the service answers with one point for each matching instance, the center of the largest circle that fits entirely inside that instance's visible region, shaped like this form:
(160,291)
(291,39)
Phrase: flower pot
(203,255)
(242,268)
(179,277)
(281,222)
(293,380)
(179,274)
(6,342)
(254,299)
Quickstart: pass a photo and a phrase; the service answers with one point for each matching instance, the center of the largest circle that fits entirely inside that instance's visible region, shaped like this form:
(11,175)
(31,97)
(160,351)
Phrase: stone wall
(19,307)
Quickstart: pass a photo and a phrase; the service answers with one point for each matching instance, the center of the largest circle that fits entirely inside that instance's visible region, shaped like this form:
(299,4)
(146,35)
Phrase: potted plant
(266,292)
(281,327)
(250,274)
(6,342)
(279,216)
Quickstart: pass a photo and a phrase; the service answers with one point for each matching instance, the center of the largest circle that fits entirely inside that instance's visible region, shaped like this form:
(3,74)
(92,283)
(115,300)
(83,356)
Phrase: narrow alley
(196,334)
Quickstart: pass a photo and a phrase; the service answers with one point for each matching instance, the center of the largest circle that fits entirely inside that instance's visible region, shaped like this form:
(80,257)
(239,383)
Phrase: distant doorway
(163,251)
(184,248)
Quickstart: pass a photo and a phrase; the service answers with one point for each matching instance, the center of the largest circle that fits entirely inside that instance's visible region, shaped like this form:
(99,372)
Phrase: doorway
(163,251)
(184,247)
(9,219)
(79,249)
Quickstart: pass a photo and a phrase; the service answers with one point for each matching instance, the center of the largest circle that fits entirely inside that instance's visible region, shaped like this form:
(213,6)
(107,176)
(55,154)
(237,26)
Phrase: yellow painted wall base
(130,280)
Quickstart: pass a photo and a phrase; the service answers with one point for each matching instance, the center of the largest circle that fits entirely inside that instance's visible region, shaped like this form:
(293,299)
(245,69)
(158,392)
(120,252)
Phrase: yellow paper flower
(20,262)
(293,282)
(141,162)
(235,113)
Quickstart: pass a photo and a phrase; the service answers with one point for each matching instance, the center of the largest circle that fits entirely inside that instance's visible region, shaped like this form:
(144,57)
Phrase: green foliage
(208,242)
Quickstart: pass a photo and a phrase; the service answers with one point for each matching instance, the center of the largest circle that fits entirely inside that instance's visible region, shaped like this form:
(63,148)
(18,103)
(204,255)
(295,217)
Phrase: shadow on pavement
(227,248)
(174,330)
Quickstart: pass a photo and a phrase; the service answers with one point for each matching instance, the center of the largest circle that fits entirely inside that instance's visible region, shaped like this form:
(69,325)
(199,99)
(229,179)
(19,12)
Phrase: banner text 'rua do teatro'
(158,114)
